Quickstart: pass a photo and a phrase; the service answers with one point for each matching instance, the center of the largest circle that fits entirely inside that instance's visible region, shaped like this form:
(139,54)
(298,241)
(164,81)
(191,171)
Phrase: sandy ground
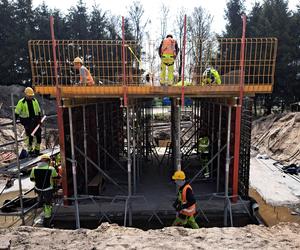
(283,236)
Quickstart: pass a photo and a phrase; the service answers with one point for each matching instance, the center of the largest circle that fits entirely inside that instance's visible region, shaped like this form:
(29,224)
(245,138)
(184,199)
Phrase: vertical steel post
(74,169)
(104,133)
(183,62)
(178,149)
(59,111)
(227,164)
(219,147)
(238,115)
(124,63)
(85,149)
(98,135)
(212,138)
(134,150)
(129,167)
(18,160)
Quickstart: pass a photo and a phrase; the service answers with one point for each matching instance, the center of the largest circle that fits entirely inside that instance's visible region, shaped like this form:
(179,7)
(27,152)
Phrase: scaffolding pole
(74,168)
(85,149)
(219,147)
(17,158)
(98,135)
(128,204)
(228,158)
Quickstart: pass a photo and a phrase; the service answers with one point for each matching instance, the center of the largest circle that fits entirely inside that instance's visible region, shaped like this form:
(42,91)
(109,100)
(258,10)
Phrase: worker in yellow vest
(168,51)
(211,76)
(29,112)
(86,78)
(185,203)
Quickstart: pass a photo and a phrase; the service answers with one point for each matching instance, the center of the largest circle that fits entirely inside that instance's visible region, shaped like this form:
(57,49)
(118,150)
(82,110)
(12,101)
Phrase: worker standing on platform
(211,76)
(85,75)
(168,51)
(29,112)
(185,203)
(43,175)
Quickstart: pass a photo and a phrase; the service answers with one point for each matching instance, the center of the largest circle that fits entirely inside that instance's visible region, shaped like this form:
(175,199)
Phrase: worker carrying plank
(168,51)
(29,112)
(85,75)
(44,175)
(185,203)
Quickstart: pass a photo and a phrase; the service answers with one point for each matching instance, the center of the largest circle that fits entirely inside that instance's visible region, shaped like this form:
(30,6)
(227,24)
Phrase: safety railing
(104,60)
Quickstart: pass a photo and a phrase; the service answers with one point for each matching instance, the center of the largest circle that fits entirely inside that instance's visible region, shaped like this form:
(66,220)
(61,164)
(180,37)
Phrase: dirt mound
(282,236)
(278,136)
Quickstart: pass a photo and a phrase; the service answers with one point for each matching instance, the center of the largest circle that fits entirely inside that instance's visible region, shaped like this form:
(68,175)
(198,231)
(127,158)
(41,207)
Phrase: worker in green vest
(43,175)
(203,149)
(29,112)
(211,76)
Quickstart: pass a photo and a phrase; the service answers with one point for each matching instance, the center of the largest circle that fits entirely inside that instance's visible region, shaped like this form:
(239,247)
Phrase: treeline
(20,22)
(272,18)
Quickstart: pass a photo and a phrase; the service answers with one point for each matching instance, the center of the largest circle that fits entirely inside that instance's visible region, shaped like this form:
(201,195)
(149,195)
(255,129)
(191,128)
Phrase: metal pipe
(178,151)
(134,153)
(98,135)
(183,62)
(227,164)
(129,167)
(219,147)
(238,115)
(17,158)
(124,63)
(74,169)
(104,133)
(85,150)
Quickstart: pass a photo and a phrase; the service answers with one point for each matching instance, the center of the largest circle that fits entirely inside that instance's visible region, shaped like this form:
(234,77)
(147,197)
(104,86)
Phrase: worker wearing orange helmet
(168,51)
(85,75)
(185,203)
(29,112)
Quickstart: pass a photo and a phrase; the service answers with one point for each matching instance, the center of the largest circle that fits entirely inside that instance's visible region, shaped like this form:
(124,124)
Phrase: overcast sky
(152,8)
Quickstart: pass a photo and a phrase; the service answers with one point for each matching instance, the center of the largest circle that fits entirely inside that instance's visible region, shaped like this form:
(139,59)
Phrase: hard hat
(45,157)
(29,91)
(78,60)
(206,73)
(178,175)
(169,36)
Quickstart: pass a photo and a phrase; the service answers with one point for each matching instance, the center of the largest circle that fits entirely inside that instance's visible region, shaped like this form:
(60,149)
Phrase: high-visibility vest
(189,211)
(216,76)
(22,108)
(168,46)
(89,78)
(43,177)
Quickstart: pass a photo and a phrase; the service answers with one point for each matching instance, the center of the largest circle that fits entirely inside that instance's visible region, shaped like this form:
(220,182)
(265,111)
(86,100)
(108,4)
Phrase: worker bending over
(185,203)
(168,51)
(85,75)
(211,76)
(29,112)
(43,175)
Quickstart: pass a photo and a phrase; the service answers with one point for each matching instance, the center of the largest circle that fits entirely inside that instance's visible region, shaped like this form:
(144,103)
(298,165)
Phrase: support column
(129,167)
(74,169)
(227,166)
(98,135)
(175,134)
(219,147)
(85,149)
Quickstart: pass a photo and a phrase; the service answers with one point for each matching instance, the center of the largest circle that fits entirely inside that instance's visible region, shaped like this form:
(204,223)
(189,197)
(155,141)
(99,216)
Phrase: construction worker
(203,149)
(168,51)
(29,112)
(43,175)
(85,75)
(185,203)
(211,76)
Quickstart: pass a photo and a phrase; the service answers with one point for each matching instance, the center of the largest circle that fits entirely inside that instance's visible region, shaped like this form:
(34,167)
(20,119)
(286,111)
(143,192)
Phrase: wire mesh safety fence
(104,60)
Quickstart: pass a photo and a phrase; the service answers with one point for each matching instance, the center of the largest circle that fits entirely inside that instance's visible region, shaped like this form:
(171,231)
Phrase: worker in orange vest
(168,51)
(85,75)
(185,203)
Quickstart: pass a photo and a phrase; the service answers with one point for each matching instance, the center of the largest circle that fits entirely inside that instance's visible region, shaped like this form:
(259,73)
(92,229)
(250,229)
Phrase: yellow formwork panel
(152,91)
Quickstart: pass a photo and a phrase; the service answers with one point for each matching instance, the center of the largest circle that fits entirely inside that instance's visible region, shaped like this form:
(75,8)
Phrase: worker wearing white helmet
(85,75)
(29,112)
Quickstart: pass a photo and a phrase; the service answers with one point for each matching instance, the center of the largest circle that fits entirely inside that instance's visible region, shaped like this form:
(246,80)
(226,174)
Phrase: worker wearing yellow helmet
(29,112)
(185,204)
(85,75)
(43,176)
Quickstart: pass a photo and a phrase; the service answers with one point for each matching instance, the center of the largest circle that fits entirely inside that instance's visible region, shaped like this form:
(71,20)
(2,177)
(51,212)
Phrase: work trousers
(29,125)
(167,63)
(183,220)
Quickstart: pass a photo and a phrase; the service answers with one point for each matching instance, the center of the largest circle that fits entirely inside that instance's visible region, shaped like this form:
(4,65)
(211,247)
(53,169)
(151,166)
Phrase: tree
(164,14)
(98,24)
(234,11)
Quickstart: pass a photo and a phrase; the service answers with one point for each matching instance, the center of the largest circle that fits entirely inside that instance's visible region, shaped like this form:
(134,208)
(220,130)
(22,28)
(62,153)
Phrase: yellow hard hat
(45,157)
(178,175)
(29,91)
(78,60)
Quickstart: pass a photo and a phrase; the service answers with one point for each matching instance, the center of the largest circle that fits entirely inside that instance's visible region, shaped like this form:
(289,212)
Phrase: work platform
(143,91)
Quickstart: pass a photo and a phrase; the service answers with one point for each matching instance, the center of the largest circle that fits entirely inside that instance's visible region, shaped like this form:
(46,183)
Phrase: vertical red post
(238,115)
(183,62)
(124,62)
(59,110)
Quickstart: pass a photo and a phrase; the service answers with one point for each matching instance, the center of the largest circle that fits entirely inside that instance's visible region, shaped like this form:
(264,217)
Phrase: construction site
(116,167)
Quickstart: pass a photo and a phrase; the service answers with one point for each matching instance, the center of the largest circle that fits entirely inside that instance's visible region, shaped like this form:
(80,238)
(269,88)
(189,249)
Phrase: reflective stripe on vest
(168,46)
(190,210)
(89,78)
(22,108)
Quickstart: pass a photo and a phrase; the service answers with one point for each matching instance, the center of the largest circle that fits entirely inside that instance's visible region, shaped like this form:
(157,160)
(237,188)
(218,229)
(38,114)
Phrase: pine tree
(233,13)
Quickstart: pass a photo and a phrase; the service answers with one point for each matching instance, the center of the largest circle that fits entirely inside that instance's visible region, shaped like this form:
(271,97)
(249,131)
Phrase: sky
(152,9)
